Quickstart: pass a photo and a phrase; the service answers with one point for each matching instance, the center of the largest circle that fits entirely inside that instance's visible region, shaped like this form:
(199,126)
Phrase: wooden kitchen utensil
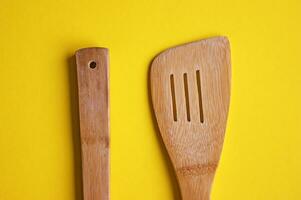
(190,89)
(93,91)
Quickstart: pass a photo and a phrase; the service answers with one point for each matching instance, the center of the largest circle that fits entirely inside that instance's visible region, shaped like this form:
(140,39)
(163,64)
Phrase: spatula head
(190,88)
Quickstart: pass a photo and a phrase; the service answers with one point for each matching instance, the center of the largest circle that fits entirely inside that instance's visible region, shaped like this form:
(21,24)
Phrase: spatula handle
(92,76)
(195,187)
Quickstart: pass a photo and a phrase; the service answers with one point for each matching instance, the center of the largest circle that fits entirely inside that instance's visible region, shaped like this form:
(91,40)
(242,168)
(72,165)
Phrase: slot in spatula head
(190,88)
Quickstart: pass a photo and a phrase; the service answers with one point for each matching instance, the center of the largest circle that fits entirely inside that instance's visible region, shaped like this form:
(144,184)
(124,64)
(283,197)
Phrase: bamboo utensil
(93,91)
(190,89)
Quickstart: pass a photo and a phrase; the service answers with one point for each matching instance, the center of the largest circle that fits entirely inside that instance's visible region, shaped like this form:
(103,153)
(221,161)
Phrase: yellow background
(39,152)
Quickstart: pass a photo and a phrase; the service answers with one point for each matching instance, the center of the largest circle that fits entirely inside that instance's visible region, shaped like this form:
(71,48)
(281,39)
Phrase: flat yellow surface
(39,152)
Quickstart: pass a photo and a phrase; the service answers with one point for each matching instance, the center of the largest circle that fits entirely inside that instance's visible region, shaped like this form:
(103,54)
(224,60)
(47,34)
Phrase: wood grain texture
(93,91)
(190,88)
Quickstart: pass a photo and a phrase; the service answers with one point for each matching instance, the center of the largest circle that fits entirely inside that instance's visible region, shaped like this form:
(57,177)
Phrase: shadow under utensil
(74,112)
(170,168)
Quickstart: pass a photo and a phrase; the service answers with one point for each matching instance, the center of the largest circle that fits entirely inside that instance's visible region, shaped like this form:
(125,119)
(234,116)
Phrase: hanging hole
(92,64)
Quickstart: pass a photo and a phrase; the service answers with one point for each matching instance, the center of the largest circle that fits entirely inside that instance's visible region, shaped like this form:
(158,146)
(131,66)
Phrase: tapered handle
(93,92)
(195,186)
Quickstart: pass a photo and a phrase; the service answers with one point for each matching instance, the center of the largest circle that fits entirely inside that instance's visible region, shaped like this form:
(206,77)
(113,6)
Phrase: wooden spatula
(92,75)
(190,88)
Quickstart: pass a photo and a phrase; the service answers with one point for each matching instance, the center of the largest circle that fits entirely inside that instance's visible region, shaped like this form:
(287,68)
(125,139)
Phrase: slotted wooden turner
(190,89)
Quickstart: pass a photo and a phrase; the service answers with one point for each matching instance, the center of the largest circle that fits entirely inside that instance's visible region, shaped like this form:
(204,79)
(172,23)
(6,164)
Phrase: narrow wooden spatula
(190,88)
(93,92)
